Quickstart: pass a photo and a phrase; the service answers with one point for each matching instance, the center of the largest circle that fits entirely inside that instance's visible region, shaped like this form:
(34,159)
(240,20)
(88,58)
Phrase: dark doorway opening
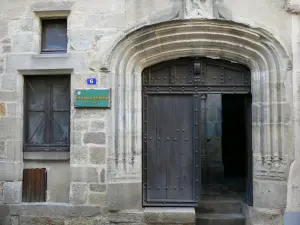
(234,147)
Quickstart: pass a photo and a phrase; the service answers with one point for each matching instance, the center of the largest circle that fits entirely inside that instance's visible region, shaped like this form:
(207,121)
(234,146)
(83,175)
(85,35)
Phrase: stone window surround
(59,10)
(50,64)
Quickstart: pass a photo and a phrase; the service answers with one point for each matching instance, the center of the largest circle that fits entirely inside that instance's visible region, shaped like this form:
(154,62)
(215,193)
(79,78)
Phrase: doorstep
(161,215)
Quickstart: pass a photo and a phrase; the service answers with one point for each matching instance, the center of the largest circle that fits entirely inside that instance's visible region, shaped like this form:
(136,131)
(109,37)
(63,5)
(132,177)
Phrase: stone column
(292,214)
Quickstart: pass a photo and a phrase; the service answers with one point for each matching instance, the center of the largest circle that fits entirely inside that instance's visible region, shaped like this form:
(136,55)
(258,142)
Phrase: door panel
(170,161)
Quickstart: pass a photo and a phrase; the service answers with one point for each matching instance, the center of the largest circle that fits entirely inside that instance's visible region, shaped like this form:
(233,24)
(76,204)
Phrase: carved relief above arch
(270,66)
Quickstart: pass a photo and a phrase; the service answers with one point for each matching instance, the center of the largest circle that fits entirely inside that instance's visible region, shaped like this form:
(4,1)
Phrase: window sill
(57,156)
(51,55)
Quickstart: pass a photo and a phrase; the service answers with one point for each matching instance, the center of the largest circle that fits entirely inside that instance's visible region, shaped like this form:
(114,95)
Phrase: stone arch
(268,60)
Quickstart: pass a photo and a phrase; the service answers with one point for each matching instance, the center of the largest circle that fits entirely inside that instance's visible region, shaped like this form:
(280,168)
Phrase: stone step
(220,219)
(219,206)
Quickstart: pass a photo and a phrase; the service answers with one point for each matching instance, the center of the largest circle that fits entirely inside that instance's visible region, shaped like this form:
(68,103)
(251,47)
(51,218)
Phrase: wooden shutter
(34,185)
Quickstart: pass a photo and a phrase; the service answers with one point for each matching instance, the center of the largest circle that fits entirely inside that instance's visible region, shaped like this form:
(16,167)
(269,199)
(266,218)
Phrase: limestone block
(24,42)
(78,193)
(126,217)
(6,49)
(76,138)
(2,150)
(9,82)
(12,128)
(98,187)
(79,155)
(88,113)
(97,155)
(14,220)
(4,211)
(269,194)
(79,221)
(12,192)
(97,125)
(105,6)
(80,125)
(81,40)
(97,199)
(10,171)
(170,215)
(14,150)
(29,220)
(84,174)
(123,196)
(94,138)
(115,20)
(1,69)
(14,109)
(8,96)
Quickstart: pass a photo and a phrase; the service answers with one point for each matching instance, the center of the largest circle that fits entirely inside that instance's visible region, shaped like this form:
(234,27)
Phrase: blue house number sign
(91,81)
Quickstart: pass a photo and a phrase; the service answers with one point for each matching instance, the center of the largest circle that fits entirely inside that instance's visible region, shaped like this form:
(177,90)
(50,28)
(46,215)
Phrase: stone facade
(100,180)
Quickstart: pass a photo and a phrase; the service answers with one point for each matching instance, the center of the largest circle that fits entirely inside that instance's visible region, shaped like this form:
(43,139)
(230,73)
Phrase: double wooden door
(172,93)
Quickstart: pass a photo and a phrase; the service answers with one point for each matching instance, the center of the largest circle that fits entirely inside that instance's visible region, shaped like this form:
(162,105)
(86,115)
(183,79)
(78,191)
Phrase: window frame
(50,147)
(61,21)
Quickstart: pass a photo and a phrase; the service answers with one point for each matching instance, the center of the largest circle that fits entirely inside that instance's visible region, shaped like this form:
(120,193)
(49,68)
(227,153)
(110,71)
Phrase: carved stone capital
(292,6)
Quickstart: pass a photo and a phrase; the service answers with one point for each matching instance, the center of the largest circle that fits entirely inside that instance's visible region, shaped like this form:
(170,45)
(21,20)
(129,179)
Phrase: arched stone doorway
(196,131)
(269,63)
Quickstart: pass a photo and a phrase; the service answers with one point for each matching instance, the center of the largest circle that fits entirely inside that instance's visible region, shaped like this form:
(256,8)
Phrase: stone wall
(104,41)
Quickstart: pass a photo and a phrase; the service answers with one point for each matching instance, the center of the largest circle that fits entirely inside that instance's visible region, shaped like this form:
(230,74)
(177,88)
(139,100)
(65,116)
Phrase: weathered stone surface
(12,192)
(76,138)
(14,150)
(14,220)
(12,127)
(102,176)
(97,199)
(94,138)
(269,194)
(13,109)
(80,125)
(10,171)
(4,209)
(170,215)
(78,193)
(29,220)
(6,48)
(8,96)
(79,155)
(98,187)
(79,221)
(97,155)
(84,174)
(97,125)
(56,210)
(2,150)
(126,217)
(124,196)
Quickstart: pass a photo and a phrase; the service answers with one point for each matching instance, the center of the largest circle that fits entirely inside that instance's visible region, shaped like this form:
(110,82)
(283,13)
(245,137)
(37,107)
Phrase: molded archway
(270,66)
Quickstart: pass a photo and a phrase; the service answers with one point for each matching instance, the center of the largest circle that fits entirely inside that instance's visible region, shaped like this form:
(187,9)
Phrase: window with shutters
(54,35)
(47,113)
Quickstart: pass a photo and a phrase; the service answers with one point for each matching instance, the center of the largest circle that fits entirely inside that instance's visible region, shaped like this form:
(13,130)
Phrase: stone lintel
(156,215)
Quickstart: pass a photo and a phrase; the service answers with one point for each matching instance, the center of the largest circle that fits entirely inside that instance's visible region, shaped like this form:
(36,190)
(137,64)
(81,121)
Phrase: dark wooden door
(172,93)
(170,149)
